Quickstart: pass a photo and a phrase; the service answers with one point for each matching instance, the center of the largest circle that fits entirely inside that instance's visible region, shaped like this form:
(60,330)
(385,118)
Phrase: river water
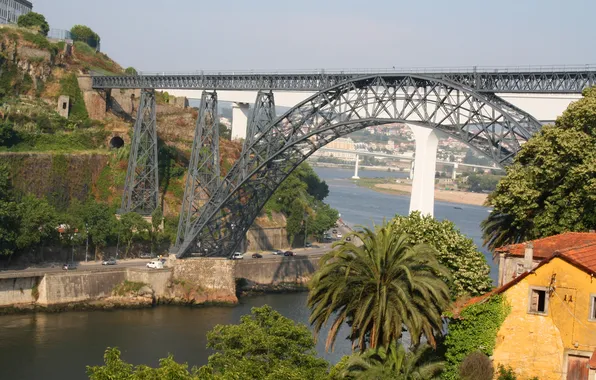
(52,346)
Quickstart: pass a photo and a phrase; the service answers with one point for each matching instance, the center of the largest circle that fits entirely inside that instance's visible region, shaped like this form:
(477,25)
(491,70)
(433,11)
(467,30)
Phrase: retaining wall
(276,270)
(16,291)
(212,275)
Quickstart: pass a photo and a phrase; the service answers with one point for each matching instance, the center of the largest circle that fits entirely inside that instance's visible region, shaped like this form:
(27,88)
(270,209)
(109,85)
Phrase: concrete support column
(239,120)
(454,172)
(356,168)
(423,185)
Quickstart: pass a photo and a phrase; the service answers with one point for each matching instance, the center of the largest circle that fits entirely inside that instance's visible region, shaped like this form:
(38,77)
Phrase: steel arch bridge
(485,122)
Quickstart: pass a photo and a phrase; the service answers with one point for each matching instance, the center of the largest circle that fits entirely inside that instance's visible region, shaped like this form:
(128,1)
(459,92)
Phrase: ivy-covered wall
(58,177)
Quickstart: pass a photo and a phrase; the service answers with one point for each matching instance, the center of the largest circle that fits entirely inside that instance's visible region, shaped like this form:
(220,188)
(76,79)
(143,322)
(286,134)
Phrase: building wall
(538,345)
(11,10)
(508,267)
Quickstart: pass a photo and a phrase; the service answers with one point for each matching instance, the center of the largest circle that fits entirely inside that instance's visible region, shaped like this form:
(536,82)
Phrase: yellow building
(550,332)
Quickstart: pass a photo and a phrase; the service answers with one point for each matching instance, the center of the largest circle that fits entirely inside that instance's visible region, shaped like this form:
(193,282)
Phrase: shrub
(70,87)
(85,34)
(34,21)
(476,366)
(130,71)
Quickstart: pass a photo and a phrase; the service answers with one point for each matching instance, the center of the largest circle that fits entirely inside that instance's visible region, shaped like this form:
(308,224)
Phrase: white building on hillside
(11,10)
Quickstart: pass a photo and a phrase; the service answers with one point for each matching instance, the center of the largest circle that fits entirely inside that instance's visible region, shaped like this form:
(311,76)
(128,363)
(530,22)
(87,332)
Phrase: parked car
(339,235)
(278,252)
(237,256)
(289,253)
(155,264)
(336,225)
(110,261)
(70,266)
(257,256)
(334,231)
(308,245)
(348,238)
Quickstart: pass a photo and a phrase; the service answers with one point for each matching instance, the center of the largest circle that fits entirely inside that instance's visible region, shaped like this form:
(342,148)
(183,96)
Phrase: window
(520,268)
(592,308)
(538,301)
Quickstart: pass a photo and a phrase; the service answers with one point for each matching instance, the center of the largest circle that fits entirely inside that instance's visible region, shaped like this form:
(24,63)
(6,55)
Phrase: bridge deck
(558,80)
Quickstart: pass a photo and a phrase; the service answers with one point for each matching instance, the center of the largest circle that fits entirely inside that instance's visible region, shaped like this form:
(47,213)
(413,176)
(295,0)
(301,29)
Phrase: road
(317,248)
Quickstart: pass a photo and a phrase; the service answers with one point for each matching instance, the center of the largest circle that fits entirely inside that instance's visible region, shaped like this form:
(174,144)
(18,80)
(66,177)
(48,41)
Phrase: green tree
(379,287)
(225,132)
(551,186)
(35,21)
(85,34)
(265,345)
(392,363)
(38,223)
(115,368)
(8,213)
(157,221)
(131,225)
(100,222)
(8,135)
(130,71)
(470,273)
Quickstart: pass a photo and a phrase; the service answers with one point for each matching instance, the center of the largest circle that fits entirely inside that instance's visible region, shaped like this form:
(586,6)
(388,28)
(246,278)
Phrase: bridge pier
(239,120)
(425,162)
(454,172)
(356,168)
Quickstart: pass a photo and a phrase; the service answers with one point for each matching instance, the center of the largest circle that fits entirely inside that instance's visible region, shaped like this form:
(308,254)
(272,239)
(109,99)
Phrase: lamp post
(87,244)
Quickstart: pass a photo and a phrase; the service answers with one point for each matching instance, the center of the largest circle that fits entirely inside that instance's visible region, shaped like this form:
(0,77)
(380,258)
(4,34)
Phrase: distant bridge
(530,79)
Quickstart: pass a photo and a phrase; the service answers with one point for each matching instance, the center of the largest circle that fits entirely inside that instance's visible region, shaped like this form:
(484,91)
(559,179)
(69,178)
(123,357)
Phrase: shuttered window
(538,301)
(592,308)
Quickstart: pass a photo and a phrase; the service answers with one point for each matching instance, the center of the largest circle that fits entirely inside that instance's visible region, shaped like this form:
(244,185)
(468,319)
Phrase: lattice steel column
(262,115)
(141,190)
(203,170)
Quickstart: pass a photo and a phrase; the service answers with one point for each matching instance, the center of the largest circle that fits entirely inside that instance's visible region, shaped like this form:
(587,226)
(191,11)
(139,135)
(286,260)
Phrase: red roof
(582,256)
(545,247)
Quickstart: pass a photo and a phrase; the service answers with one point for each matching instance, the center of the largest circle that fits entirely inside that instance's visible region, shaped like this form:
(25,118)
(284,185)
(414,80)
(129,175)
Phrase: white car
(155,264)
(237,256)
(339,235)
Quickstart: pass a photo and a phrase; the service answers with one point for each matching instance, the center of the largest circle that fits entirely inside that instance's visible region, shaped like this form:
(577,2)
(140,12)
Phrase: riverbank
(461,197)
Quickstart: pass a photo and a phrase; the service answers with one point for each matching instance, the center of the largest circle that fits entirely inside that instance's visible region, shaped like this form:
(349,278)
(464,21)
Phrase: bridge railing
(404,70)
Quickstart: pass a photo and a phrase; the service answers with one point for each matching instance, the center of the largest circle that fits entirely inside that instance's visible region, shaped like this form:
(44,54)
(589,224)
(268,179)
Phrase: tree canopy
(470,273)
(34,20)
(264,346)
(85,34)
(379,287)
(551,186)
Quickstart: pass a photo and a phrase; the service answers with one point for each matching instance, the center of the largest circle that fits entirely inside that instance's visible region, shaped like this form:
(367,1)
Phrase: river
(48,346)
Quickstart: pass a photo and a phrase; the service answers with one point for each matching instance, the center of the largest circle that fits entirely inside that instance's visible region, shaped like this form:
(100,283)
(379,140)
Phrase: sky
(193,35)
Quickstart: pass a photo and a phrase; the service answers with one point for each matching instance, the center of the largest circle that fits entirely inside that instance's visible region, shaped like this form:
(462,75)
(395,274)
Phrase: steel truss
(475,119)
(262,115)
(545,82)
(203,177)
(141,190)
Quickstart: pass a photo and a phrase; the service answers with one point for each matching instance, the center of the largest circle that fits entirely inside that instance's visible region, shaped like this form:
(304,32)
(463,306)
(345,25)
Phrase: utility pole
(305,229)
(87,245)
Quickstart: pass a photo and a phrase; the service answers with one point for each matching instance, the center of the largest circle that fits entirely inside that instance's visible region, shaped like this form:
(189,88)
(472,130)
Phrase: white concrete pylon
(425,162)
(356,168)
(454,172)
(239,120)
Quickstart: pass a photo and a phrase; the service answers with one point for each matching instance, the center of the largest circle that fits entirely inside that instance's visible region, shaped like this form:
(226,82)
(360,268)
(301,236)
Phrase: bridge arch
(485,122)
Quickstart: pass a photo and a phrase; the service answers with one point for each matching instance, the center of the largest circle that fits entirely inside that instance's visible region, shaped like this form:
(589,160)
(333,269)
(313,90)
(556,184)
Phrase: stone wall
(16,291)
(276,270)
(267,238)
(212,276)
(73,286)
(158,280)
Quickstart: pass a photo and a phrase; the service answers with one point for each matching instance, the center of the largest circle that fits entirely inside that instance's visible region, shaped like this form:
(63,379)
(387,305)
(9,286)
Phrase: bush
(476,366)
(130,71)
(85,34)
(34,21)
(8,136)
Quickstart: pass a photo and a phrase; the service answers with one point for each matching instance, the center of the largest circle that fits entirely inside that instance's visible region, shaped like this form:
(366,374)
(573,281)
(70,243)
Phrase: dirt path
(477,199)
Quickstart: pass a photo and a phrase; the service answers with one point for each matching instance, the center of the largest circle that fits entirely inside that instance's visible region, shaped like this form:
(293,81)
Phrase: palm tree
(499,230)
(378,286)
(393,363)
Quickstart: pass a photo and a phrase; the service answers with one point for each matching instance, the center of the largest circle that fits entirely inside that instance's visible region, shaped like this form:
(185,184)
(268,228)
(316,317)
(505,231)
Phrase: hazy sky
(189,35)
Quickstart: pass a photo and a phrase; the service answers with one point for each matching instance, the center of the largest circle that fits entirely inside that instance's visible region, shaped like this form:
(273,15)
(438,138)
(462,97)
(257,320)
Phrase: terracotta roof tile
(545,247)
(583,256)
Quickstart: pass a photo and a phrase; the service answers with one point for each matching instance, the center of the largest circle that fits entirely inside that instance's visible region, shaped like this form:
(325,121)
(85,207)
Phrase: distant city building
(11,10)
